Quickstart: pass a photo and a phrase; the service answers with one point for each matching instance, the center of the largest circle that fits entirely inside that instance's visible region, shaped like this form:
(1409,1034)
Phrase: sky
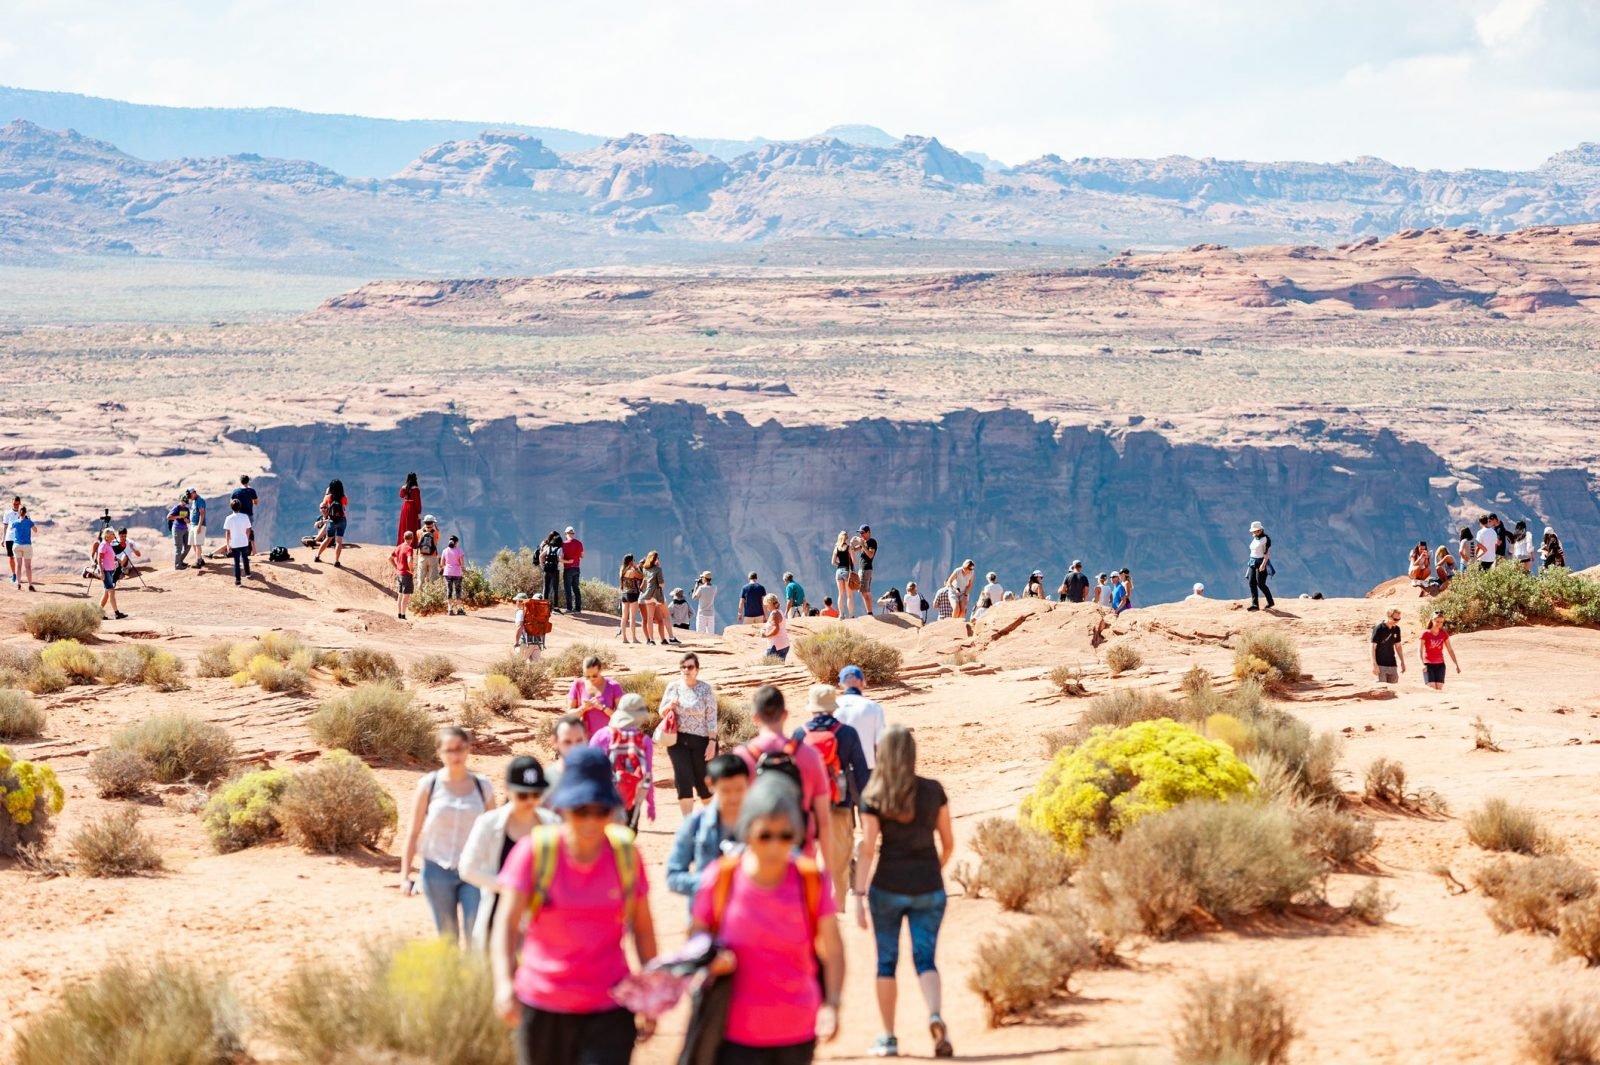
(1452,83)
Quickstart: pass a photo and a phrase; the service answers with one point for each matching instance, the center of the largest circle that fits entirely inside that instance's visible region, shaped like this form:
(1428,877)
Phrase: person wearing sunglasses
(448,802)
(495,833)
(775,917)
(692,701)
(571,895)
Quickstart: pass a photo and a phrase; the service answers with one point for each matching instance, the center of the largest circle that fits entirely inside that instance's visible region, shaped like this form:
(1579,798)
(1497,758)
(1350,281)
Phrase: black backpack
(782,762)
(279,554)
(335,510)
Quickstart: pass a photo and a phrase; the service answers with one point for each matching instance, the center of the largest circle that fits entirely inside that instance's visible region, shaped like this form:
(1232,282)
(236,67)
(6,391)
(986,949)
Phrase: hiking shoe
(941,1037)
(887,1046)
(1252,606)
(238,584)
(121,615)
(181,565)
(336,565)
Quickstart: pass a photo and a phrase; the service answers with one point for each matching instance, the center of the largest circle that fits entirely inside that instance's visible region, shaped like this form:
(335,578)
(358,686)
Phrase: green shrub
(30,796)
(1504,595)
(363,665)
(1235,1020)
(115,845)
(647,685)
(475,590)
(1117,776)
(421,1001)
(243,812)
(433,669)
(1499,826)
(429,598)
(1029,965)
(179,746)
(120,774)
(1528,896)
(376,721)
(20,716)
(600,597)
(216,661)
(1017,865)
(79,663)
(569,663)
(829,650)
(283,646)
(1226,859)
(1122,657)
(272,675)
(1566,1034)
(335,804)
(1266,656)
(532,679)
(497,697)
(168,1014)
(735,725)
(516,572)
(63,621)
(139,663)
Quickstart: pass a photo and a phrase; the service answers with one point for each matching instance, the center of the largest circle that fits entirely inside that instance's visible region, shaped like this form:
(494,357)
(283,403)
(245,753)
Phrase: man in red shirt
(816,796)
(571,559)
(404,582)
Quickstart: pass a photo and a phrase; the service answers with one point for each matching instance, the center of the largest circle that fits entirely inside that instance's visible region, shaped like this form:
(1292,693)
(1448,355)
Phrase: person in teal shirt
(794,597)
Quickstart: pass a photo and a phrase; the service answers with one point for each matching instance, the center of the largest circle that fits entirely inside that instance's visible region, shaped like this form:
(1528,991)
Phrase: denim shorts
(336,529)
(924,913)
(841,574)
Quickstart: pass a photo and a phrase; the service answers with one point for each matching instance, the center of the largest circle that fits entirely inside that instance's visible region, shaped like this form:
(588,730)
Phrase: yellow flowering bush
(1116,776)
(29,796)
(243,812)
(79,663)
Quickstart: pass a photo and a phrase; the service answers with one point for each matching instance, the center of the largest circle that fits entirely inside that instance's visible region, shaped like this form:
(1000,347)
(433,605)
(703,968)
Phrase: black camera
(105,519)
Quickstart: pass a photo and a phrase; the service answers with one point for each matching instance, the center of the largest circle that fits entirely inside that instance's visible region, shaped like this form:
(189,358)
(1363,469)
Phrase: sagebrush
(1268,657)
(735,724)
(115,844)
(1236,1020)
(140,663)
(1029,965)
(1497,825)
(569,663)
(829,650)
(20,717)
(62,621)
(1122,657)
(118,773)
(433,669)
(78,663)
(375,720)
(179,746)
(335,804)
(1528,896)
(363,665)
(1016,865)
(533,680)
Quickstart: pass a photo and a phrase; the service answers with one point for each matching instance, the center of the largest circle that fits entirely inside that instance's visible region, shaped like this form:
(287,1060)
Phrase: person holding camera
(705,611)
(178,526)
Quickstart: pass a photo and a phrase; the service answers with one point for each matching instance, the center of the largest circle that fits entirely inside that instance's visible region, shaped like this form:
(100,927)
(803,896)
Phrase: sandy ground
(1435,984)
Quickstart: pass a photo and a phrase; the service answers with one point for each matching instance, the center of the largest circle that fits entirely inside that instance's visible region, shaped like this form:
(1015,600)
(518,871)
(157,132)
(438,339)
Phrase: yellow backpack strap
(544,854)
(627,859)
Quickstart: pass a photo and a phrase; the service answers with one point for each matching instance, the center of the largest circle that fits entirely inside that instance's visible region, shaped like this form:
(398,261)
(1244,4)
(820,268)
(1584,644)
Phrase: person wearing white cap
(992,591)
(428,550)
(1075,585)
(1260,566)
(1199,594)
(1035,588)
(705,610)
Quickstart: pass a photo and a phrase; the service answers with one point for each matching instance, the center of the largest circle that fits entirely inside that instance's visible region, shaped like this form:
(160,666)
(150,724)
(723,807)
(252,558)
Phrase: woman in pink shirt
(777,629)
(106,555)
(454,566)
(774,915)
(595,696)
(570,895)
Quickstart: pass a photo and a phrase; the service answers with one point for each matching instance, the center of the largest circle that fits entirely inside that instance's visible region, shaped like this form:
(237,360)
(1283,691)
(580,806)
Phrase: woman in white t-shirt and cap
(705,611)
(1257,571)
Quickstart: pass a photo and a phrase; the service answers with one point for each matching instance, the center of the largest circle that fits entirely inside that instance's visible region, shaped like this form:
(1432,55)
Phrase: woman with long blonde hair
(903,879)
(844,564)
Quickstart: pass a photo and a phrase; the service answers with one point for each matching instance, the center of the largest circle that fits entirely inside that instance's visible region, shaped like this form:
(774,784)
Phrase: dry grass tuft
(1528,896)
(569,663)
(1499,826)
(1122,657)
(433,669)
(1370,905)
(115,845)
(20,717)
(1268,657)
(120,774)
(78,663)
(375,720)
(498,697)
(1337,839)
(63,621)
(1578,931)
(1016,864)
(534,680)
(734,723)
(335,804)
(365,665)
(1029,965)
(139,663)
(1482,737)
(179,746)
(1565,1034)
(1236,1020)
(216,661)
(168,1014)
(828,651)
(1067,681)
(647,685)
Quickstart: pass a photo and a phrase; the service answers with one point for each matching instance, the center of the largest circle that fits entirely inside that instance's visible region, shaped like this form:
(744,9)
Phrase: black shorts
(406,583)
(9,545)
(545,1038)
(732,1053)
(1433,672)
(630,597)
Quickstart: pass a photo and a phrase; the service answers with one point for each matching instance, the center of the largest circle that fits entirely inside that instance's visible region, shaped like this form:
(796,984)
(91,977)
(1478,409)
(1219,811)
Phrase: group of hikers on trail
(1490,543)
(552,884)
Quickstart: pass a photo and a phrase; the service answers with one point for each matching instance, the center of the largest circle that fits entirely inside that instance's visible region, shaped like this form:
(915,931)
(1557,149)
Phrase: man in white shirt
(859,712)
(10,516)
(1488,542)
(240,535)
(993,590)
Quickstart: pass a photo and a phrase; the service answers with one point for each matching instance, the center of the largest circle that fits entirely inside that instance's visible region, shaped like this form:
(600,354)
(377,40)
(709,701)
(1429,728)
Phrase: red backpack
(824,739)
(627,764)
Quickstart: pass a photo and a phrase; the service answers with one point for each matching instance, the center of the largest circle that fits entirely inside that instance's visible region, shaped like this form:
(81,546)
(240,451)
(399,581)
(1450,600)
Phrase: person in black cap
(496,832)
(1075,585)
(554,983)
(864,557)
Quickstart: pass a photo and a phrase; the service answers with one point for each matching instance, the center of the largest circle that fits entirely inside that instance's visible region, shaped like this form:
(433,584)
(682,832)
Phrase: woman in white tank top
(448,802)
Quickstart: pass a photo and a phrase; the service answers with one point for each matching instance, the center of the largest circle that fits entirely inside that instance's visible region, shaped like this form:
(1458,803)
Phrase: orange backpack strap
(721,888)
(811,892)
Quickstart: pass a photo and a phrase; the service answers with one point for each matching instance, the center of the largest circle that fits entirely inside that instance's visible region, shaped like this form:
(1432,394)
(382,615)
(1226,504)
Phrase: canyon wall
(1015,493)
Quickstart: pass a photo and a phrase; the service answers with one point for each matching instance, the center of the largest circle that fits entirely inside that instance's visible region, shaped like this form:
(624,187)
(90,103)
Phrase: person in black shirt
(864,557)
(1075,585)
(1388,652)
(247,501)
(911,817)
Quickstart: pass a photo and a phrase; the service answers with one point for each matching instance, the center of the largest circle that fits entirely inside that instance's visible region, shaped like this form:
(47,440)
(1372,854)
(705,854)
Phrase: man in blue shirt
(178,525)
(197,527)
(750,597)
(709,832)
(22,546)
(794,597)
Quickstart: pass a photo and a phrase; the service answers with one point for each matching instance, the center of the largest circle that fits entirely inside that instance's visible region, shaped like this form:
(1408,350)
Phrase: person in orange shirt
(828,609)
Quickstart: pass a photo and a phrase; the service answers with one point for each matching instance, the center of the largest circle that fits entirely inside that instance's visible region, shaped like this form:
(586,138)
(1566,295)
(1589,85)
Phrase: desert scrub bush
(1122,657)
(363,665)
(648,686)
(139,663)
(1311,761)
(272,675)
(30,796)
(429,598)
(1116,776)
(1336,839)
(45,681)
(498,696)
(336,803)
(62,621)
(475,590)
(424,1000)
(1504,595)
(167,1014)
(282,646)
(516,572)
(433,669)
(1016,865)
(533,680)
(1578,931)
(1267,657)
(1528,896)
(376,721)
(600,598)
(829,650)
(1236,1020)
(1564,1034)
(1124,707)
(1369,905)
(1499,826)
(243,812)
(16,662)
(1029,965)
(1227,859)
(216,661)
(20,716)
(179,746)
(115,845)
(120,774)
(1067,681)
(569,663)
(735,725)
(79,663)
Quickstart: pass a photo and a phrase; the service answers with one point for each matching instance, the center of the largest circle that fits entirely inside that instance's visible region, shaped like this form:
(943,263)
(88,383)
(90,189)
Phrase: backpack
(782,762)
(536,617)
(824,739)
(627,765)
(428,544)
(279,554)
(335,510)
(543,856)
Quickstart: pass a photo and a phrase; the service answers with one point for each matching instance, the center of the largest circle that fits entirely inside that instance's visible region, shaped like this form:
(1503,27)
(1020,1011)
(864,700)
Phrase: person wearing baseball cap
(859,712)
(864,557)
(571,561)
(1260,566)
(428,550)
(496,832)
(705,610)
(1075,585)
(553,984)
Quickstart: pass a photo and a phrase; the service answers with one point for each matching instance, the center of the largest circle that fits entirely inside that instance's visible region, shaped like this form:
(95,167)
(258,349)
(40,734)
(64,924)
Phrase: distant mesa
(497,159)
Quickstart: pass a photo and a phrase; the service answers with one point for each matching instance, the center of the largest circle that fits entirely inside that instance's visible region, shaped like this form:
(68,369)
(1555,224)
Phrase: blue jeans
(569,581)
(923,912)
(446,891)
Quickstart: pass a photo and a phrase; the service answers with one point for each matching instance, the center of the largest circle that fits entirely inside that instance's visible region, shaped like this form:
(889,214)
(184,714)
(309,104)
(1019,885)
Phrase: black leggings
(241,559)
(1258,582)
(546,1038)
(689,765)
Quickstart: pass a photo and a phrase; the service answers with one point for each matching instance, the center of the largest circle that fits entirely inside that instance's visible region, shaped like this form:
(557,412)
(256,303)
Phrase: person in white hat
(428,550)
(1260,566)
(633,756)
(1199,593)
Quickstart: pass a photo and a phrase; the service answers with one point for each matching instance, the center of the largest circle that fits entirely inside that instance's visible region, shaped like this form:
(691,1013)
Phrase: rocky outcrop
(643,171)
(494,160)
